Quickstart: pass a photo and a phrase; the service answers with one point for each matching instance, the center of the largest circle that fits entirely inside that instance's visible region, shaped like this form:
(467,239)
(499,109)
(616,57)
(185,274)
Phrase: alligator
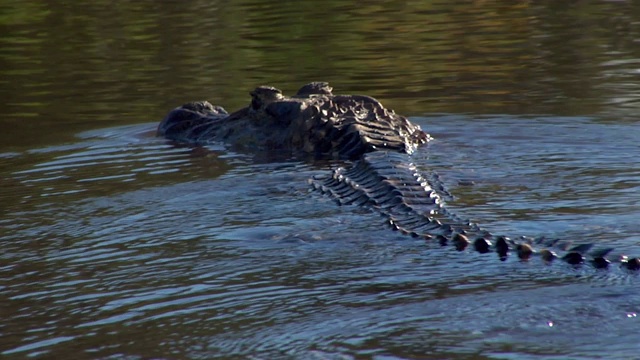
(377,144)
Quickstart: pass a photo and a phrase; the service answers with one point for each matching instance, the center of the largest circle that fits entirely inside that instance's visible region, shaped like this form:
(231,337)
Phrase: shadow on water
(117,244)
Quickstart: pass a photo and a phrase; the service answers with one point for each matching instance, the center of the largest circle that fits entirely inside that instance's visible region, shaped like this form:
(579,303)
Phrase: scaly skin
(361,129)
(313,121)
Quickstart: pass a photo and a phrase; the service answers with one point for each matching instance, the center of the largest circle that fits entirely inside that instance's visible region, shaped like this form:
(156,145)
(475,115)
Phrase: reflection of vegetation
(22,13)
(130,61)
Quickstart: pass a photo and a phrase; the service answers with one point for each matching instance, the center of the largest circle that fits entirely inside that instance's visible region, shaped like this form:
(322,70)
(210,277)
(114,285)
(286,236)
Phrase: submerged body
(360,128)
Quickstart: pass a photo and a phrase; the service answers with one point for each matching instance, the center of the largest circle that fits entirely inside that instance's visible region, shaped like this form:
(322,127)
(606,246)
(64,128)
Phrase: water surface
(120,245)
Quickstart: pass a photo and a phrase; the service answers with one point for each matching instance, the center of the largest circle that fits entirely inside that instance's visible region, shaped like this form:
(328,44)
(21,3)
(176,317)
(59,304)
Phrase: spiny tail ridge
(413,203)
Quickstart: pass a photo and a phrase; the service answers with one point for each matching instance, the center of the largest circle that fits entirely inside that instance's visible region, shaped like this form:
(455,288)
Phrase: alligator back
(411,201)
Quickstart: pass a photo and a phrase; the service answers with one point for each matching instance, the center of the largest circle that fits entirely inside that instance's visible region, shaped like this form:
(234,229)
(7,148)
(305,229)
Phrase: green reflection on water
(104,63)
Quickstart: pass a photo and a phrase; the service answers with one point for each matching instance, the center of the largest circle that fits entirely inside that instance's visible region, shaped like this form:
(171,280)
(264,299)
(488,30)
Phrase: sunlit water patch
(202,252)
(542,175)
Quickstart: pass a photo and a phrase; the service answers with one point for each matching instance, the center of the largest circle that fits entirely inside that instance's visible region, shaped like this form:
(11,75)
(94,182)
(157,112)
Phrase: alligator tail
(413,203)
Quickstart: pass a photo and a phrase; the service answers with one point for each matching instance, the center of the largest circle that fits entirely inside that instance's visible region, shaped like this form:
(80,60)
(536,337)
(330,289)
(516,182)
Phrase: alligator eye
(256,104)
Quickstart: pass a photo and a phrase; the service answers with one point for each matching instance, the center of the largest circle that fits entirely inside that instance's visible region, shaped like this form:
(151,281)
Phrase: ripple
(120,245)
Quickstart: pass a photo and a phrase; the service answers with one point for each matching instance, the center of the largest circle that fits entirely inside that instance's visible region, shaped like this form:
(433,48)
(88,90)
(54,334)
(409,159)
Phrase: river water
(120,245)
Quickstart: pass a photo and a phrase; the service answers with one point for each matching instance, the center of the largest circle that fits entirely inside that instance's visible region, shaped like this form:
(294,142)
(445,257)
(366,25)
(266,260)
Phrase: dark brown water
(119,245)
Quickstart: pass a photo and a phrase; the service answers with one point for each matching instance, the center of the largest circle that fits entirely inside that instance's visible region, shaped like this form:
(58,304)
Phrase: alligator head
(314,121)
